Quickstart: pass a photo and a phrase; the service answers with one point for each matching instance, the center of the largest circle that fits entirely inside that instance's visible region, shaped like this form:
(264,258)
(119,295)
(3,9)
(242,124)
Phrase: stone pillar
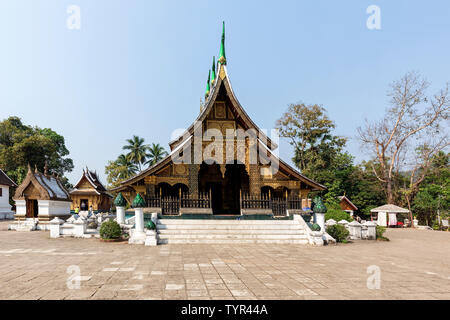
(137,235)
(416,222)
(317,237)
(319,218)
(371,230)
(55,227)
(355,230)
(155,217)
(139,219)
(79,227)
(120,214)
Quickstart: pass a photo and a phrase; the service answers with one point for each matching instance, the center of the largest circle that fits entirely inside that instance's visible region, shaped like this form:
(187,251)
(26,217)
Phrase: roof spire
(213,74)
(207,85)
(222,57)
(46,168)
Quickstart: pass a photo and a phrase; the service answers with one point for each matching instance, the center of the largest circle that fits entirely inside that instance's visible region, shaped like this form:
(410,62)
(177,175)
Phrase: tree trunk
(390,197)
(410,211)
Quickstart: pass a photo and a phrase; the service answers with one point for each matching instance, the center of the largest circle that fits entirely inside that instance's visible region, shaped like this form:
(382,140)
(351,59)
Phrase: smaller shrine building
(41,196)
(90,192)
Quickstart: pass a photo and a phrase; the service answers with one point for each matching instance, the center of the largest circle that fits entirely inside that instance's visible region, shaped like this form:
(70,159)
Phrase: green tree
(137,151)
(120,169)
(434,192)
(310,132)
(21,145)
(155,154)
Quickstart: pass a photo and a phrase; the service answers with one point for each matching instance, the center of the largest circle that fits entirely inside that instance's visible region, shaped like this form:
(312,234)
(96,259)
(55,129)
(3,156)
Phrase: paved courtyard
(414,265)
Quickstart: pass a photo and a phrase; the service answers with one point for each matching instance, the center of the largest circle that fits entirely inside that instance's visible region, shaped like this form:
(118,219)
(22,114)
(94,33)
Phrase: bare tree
(422,166)
(411,118)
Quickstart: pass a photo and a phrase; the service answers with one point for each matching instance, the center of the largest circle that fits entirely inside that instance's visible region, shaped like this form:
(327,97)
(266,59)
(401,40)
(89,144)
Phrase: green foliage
(22,144)
(337,215)
(434,193)
(150,225)
(379,233)
(338,232)
(310,132)
(315,227)
(110,230)
(155,154)
(126,166)
(137,151)
(119,170)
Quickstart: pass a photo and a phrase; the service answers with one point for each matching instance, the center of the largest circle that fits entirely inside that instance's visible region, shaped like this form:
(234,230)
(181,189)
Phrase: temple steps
(230,231)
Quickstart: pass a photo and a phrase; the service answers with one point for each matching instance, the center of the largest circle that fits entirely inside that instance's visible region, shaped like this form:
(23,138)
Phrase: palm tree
(156,153)
(126,168)
(137,151)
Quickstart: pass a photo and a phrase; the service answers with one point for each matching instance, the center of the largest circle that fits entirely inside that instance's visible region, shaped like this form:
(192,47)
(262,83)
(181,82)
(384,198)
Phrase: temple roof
(92,178)
(48,186)
(344,198)
(5,180)
(220,81)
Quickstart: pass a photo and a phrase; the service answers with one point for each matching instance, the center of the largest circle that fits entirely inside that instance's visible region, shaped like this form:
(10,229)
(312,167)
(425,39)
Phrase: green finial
(138,202)
(213,74)
(207,85)
(319,206)
(120,200)
(222,57)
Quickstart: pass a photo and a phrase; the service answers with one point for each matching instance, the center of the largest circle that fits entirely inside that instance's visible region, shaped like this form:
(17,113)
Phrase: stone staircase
(171,231)
(28,225)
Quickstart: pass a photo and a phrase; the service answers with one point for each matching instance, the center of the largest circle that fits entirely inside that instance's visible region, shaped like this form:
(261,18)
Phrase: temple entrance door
(84,204)
(216,197)
(236,181)
(32,208)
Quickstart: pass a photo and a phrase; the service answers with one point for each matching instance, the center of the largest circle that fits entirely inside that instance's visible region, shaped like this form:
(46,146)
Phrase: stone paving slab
(415,264)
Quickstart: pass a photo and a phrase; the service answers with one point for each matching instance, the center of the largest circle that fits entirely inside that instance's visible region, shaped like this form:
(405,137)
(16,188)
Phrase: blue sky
(140,67)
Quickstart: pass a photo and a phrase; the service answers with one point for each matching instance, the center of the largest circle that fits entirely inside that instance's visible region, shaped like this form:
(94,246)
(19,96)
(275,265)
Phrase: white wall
(53,208)
(4,199)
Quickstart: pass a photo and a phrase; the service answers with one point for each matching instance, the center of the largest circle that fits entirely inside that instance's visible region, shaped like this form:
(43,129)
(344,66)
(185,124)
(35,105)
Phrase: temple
(222,164)
(42,197)
(89,192)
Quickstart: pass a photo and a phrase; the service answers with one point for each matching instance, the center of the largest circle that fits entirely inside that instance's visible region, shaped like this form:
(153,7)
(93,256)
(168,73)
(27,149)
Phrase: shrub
(338,232)
(315,227)
(337,215)
(379,232)
(150,225)
(110,230)
(436,225)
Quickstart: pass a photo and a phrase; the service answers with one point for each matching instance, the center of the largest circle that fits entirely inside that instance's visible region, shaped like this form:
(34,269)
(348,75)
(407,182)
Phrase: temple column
(255,179)
(193,179)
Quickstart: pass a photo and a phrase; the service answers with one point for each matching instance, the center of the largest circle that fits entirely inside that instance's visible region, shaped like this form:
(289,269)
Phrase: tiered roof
(49,186)
(220,81)
(92,178)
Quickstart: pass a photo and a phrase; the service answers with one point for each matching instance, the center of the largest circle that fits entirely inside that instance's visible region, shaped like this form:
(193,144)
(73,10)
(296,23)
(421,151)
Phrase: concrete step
(231,241)
(233,236)
(231,231)
(160,226)
(220,222)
